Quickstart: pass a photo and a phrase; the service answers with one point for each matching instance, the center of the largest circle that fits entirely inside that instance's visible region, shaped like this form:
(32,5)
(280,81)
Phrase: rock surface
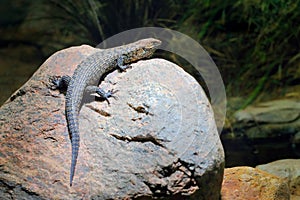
(247,183)
(288,169)
(170,151)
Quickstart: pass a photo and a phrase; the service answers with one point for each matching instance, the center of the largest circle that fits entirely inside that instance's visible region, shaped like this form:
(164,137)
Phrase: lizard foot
(58,82)
(105,95)
(122,68)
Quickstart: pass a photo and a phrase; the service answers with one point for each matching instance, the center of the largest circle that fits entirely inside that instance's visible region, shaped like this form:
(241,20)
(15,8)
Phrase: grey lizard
(86,78)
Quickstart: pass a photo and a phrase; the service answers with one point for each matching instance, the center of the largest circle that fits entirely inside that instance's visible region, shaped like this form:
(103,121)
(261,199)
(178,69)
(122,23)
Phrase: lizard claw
(54,82)
(122,68)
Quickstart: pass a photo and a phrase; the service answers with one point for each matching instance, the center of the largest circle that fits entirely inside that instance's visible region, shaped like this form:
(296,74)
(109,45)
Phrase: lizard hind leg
(60,83)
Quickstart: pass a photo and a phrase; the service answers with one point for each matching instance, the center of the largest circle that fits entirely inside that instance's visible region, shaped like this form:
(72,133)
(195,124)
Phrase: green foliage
(253,41)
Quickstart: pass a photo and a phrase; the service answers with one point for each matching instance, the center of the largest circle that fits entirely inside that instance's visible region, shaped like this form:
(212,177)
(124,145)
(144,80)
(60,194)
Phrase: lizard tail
(72,109)
(75,148)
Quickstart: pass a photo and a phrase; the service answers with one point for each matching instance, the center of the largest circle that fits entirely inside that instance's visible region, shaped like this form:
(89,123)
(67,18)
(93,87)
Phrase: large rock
(247,183)
(288,169)
(158,139)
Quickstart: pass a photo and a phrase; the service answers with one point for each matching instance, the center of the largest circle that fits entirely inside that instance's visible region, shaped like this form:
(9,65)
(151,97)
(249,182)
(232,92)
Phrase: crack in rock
(141,138)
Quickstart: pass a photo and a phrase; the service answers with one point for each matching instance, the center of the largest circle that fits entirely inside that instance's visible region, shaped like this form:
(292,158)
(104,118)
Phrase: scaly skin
(86,78)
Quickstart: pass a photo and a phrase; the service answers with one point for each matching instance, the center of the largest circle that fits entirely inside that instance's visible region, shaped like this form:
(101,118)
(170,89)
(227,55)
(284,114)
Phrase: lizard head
(141,49)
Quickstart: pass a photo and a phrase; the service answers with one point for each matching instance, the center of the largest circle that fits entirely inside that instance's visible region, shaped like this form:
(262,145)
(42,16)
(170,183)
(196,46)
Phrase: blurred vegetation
(255,43)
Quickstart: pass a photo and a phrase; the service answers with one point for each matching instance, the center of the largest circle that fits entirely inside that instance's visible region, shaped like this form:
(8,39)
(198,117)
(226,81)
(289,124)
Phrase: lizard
(86,78)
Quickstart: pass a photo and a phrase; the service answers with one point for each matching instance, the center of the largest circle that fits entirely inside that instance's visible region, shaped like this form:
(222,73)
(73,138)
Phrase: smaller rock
(287,169)
(247,183)
(276,119)
(276,111)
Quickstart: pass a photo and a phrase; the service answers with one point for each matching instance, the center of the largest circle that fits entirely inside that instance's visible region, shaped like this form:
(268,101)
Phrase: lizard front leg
(120,64)
(103,95)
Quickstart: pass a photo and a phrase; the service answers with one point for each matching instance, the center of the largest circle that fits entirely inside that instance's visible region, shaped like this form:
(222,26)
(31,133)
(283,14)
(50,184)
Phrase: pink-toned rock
(247,183)
(171,151)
